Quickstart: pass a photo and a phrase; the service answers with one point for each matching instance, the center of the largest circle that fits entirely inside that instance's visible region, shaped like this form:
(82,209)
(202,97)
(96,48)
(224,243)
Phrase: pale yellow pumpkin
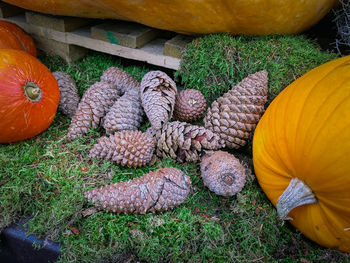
(258,17)
(305,134)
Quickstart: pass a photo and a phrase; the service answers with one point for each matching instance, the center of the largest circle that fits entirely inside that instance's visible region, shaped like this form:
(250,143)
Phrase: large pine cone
(158,92)
(222,173)
(69,98)
(93,106)
(190,105)
(184,142)
(235,115)
(160,190)
(127,148)
(125,114)
(120,79)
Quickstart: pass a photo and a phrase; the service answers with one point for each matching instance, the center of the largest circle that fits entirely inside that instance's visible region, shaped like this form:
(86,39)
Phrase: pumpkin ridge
(326,211)
(326,120)
(298,127)
(334,92)
(279,154)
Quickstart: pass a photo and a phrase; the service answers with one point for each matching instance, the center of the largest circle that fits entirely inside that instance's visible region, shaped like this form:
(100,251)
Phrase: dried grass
(342,21)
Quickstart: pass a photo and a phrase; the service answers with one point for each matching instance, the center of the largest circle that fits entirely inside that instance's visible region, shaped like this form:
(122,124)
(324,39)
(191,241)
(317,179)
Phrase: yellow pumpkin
(258,17)
(301,154)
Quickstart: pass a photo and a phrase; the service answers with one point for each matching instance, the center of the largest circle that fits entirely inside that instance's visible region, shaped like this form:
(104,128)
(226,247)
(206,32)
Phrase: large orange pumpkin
(301,155)
(29,96)
(258,17)
(13,37)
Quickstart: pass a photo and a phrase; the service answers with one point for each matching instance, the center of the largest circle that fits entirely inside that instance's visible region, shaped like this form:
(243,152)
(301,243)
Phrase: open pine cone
(93,106)
(184,142)
(190,105)
(69,98)
(160,190)
(222,173)
(158,93)
(127,148)
(234,115)
(119,79)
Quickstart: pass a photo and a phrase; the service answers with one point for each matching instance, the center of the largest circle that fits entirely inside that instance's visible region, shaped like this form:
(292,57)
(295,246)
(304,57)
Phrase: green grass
(44,178)
(214,63)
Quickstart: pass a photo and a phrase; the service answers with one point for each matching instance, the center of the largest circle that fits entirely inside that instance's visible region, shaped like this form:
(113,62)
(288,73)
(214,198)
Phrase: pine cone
(127,148)
(125,114)
(222,173)
(160,190)
(120,79)
(158,93)
(190,105)
(184,142)
(93,106)
(234,115)
(69,98)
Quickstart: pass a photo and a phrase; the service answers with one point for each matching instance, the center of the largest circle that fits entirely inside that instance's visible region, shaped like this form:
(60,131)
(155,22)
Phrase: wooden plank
(175,46)
(123,33)
(7,10)
(68,52)
(151,53)
(147,53)
(59,23)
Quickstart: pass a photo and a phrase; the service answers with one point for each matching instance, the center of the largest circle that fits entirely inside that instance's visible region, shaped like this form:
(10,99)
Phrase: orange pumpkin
(301,154)
(13,37)
(29,96)
(254,17)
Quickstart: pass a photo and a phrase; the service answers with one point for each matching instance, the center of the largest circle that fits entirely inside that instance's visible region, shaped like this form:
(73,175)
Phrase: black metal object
(16,246)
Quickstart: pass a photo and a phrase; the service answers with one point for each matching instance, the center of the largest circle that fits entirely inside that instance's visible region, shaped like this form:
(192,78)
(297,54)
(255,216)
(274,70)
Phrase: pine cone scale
(222,173)
(156,191)
(92,108)
(184,142)
(125,114)
(127,148)
(190,105)
(69,98)
(234,115)
(158,93)
(119,79)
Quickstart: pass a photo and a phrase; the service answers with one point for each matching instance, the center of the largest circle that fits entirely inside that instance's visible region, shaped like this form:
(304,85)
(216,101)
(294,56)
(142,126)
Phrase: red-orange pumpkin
(29,96)
(13,37)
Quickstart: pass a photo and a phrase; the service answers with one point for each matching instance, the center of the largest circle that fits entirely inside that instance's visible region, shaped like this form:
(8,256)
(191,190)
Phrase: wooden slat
(123,33)
(68,52)
(59,23)
(151,53)
(175,46)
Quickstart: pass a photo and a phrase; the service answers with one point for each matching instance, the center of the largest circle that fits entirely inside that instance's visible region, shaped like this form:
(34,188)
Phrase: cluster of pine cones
(119,104)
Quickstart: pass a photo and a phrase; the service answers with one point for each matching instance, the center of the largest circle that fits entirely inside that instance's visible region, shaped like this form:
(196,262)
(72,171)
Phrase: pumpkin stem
(32,91)
(296,194)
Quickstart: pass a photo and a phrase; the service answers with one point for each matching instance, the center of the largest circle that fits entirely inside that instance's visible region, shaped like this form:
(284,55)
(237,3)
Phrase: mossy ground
(44,178)
(216,62)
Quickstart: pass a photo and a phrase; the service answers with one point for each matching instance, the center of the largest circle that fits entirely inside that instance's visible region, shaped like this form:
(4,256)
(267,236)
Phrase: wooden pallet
(71,37)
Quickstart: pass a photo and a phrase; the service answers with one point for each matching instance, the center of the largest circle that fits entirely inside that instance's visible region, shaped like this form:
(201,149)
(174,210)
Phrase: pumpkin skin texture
(29,96)
(13,37)
(253,17)
(305,134)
